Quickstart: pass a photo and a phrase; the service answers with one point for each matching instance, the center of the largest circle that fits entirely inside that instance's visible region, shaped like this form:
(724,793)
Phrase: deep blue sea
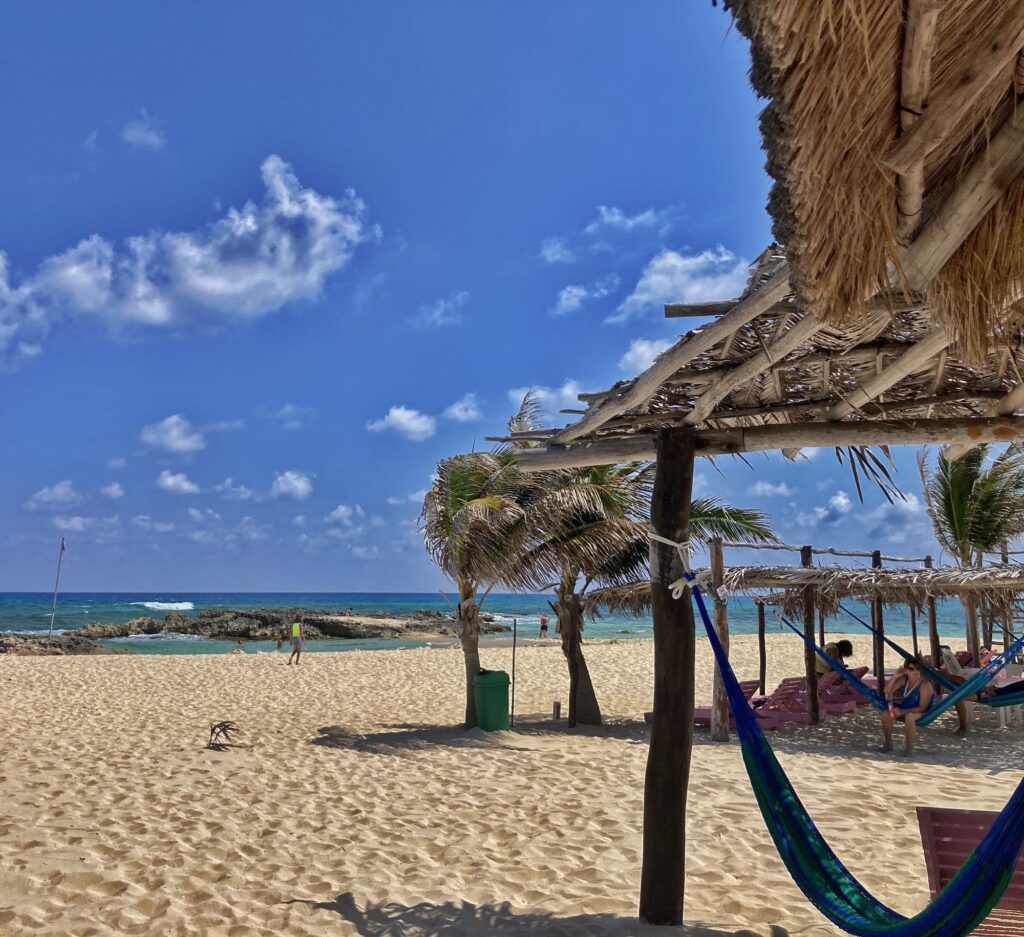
(29,612)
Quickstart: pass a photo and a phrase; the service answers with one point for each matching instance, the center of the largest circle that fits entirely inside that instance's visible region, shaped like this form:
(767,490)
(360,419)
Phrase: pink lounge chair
(787,703)
(948,837)
(749,687)
(833,697)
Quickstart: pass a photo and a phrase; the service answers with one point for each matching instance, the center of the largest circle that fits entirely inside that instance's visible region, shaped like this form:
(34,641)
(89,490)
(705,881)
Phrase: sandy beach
(356,808)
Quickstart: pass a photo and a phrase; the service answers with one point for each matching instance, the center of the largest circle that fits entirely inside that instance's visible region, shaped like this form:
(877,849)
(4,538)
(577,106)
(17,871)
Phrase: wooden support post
(762,657)
(821,627)
(668,757)
(913,629)
(810,658)
(1007,603)
(719,699)
(879,625)
(933,627)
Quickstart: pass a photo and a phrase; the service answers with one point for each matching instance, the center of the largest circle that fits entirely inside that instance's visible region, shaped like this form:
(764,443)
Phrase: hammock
(872,695)
(956,910)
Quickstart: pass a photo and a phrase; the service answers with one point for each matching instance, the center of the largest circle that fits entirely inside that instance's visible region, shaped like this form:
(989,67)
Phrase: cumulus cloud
(73,524)
(201,517)
(610,218)
(145,522)
(642,352)
(288,416)
(112,491)
(768,490)
(676,277)
(408,422)
(365,552)
(57,497)
(345,515)
(464,410)
(838,506)
(233,492)
(442,312)
(142,131)
(573,297)
(251,262)
(292,484)
(551,399)
(176,483)
(557,251)
(174,434)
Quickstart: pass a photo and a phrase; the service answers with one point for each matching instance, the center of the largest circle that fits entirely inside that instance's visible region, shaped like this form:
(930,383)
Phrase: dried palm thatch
(221,735)
(833,73)
(783,586)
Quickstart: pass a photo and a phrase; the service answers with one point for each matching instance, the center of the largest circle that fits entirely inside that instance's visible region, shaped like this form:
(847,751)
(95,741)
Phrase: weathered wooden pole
(878,623)
(821,627)
(762,657)
(933,627)
(1007,602)
(913,628)
(719,699)
(810,659)
(668,757)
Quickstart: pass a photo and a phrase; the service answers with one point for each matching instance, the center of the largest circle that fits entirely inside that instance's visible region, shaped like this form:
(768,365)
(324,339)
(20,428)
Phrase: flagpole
(56,586)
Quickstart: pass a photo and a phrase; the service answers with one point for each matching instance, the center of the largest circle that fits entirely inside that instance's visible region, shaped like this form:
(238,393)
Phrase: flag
(62,547)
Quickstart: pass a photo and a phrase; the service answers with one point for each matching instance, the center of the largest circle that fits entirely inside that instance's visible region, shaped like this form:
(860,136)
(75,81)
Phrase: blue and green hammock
(956,910)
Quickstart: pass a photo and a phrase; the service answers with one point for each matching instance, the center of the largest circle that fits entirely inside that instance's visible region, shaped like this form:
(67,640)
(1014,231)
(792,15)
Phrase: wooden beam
(647,384)
(994,169)
(908,363)
(761,655)
(699,310)
(719,698)
(810,657)
(1010,403)
(747,371)
(1018,75)
(713,442)
(991,57)
(915,83)
(662,878)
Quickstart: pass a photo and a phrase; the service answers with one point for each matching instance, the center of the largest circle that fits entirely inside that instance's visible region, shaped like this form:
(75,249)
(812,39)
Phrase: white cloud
(233,492)
(572,297)
(174,434)
(768,490)
(839,505)
(145,522)
(74,524)
(464,410)
(91,142)
(393,500)
(299,520)
(410,423)
(615,219)
(292,484)
(112,491)
(117,463)
(551,399)
(289,416)
(642,352)
(176,483)
(143,132)
(57,497)
(442,312)
(365,553)
(557,251)
(345,515)
(675,277)
(201,517)
(251,262)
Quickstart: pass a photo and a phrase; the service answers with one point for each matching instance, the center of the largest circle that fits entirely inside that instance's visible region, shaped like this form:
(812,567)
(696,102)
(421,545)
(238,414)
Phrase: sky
(263,265)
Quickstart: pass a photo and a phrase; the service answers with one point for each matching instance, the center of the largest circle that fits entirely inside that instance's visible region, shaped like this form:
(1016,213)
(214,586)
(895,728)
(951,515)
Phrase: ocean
(29,613)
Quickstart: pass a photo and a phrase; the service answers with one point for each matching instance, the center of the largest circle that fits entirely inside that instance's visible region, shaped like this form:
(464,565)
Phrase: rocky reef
(31,646)
(269,624)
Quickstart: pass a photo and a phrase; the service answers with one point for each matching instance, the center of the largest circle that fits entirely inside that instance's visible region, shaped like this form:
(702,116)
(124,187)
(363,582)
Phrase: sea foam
(166,606)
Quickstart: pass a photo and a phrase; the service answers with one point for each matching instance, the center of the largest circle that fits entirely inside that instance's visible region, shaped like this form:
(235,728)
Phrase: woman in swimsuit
(909,696)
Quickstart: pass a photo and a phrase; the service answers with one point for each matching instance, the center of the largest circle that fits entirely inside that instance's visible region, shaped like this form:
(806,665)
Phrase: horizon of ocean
(29,613)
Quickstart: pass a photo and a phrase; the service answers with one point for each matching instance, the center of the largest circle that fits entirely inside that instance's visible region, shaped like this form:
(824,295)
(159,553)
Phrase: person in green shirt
(298,642)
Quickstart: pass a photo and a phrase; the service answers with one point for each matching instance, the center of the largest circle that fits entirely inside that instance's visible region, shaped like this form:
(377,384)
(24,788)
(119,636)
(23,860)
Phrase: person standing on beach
(544,625)
(298,642)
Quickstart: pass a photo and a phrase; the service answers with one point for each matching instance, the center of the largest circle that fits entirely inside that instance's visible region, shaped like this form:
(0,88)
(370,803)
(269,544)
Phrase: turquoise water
(29,612)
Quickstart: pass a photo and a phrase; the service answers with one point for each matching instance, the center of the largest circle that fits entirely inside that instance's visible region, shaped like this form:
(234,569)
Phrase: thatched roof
(891,311)
(837,74)
(907,587)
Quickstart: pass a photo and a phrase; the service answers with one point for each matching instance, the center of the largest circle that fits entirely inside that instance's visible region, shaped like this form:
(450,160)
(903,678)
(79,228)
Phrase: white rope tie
(682,549)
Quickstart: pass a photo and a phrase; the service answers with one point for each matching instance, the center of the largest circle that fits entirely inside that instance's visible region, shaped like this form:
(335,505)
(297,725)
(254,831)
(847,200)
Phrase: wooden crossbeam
(915,82)
(993,54)
(713,442)
(1010,403)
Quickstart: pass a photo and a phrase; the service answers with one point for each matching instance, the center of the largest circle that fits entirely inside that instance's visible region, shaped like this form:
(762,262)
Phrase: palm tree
(595,523)
(976,505)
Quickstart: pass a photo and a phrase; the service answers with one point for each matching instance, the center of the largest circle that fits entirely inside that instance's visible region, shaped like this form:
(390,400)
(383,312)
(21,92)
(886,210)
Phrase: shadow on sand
(469,920)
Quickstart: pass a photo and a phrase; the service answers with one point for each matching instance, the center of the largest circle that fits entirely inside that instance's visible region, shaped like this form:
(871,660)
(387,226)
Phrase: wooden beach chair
(948,836)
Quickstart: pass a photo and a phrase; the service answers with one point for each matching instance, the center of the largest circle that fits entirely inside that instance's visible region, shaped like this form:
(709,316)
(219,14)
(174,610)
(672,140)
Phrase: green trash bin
(490,692)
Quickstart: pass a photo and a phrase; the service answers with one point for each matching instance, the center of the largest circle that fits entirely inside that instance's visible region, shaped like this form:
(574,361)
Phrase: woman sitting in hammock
(909,696)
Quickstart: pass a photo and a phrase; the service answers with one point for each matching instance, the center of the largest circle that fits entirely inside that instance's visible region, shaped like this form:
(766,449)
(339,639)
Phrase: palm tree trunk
(973,640)
(468,626)
(583,705)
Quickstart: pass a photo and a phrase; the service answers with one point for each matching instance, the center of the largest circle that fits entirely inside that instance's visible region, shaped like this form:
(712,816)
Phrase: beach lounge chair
(834,696)
(786,703)
(750,690)
(948,837)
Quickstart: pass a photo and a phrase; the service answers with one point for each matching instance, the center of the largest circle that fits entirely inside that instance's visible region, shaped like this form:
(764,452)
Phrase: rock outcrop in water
(269,624)
(30,646)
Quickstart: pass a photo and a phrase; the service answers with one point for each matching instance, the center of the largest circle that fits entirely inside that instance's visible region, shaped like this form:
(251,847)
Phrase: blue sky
(264,265)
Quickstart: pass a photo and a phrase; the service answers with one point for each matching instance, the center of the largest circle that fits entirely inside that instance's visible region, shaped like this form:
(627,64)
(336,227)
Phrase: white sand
(357,810)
